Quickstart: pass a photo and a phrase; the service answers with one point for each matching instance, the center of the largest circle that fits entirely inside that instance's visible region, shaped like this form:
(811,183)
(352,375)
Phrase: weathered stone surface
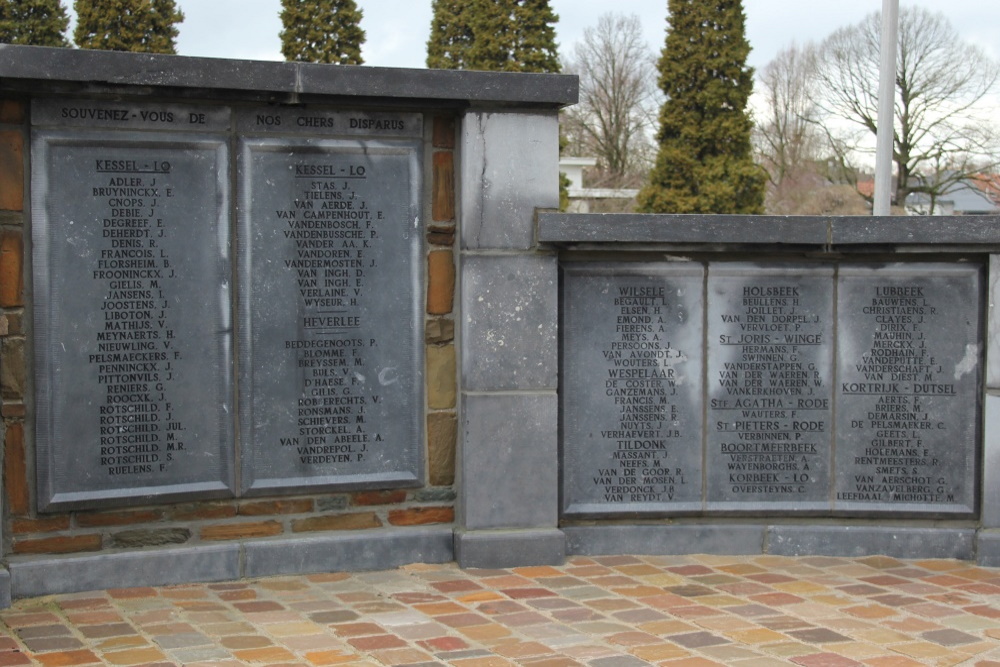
(15,481)
(11,170)
(500,185)
(510,311)
(128,539)
(332,503)
(991,460)
(12,369)
(11,268)
(509,461)
(442,433)
(441,381)
(993,326)
(440,282)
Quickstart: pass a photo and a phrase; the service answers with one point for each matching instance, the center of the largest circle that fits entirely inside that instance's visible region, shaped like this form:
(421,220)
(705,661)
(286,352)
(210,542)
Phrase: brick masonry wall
(25,532)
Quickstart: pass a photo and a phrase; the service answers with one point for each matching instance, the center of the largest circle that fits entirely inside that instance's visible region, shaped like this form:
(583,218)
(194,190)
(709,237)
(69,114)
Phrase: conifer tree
(493,35)
(451,34)
(147,26)
(704,163)
(322,31)
(33,22)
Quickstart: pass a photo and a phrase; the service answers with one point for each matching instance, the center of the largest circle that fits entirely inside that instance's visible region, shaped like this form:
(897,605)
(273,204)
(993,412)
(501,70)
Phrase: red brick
(356,521)
(444,132)
(61,658)
(121,518)
(13,410)
(237,531)
(440,282)
(378,497)
(443,195)
(11,170)
(417,516)
(58,545)
(194,512)
(266,507)
(46,524)
(15,472)
(11,267)
(11,111)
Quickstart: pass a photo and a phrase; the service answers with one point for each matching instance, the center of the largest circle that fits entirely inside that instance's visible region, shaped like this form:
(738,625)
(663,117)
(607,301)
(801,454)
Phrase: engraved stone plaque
(909,367)
(330,313)
(133,330)
(770,346)
(631,388)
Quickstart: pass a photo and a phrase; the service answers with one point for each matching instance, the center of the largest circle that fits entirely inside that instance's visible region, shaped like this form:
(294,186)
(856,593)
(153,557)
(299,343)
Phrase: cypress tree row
(322,31)
(493,35)
(33,22)
(704,163)
(148,26)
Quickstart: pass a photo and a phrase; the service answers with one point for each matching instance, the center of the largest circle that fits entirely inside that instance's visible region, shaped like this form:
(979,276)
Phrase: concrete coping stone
(34,68)
(767,230)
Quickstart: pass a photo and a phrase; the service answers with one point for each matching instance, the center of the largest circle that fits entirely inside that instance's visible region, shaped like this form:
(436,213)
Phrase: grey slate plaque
(330,347)
(132,317)
(770,346)
(631,388)
(322,122)
(119,115)
(909,369)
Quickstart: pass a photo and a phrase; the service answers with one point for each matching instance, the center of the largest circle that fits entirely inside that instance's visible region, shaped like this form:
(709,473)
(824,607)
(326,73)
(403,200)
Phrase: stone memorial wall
(779,427)
(269,318)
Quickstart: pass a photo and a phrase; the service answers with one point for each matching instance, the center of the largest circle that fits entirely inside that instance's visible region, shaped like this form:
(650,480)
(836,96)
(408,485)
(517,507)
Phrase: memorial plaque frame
(343,456)
(193,385)
(769,384)
(922,442)
(652,457)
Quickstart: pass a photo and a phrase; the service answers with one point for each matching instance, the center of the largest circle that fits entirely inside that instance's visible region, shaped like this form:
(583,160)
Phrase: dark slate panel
(632,388)
(88,67)
(909,230)
(713,229)
(133,326)
(907,396)
(770,357)
(331,370)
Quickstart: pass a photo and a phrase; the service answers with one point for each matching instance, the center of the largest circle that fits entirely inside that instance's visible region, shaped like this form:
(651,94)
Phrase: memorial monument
(267,318)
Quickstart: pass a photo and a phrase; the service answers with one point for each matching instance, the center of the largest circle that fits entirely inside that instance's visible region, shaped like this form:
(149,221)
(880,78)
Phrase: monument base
(510,548)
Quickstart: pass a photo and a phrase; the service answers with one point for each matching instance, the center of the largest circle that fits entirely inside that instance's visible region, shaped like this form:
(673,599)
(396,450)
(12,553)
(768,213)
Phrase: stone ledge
(665,540)
(24,67)
(855,541)
(31,577)
(366,550)
(768,230)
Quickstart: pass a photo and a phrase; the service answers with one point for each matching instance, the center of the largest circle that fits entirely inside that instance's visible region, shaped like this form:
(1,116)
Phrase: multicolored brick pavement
(615,611)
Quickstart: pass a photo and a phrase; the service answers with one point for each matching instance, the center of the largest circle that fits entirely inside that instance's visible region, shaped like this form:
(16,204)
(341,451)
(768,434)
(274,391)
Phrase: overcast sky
(397,30)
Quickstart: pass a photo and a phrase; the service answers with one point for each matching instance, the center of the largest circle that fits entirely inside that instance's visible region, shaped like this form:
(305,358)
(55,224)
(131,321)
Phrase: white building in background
(580,197)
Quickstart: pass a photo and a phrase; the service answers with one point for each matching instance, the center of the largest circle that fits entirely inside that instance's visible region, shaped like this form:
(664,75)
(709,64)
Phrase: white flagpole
(886,100)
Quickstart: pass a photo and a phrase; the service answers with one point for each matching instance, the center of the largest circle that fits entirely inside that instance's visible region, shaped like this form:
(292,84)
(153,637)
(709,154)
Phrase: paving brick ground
(615,611)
